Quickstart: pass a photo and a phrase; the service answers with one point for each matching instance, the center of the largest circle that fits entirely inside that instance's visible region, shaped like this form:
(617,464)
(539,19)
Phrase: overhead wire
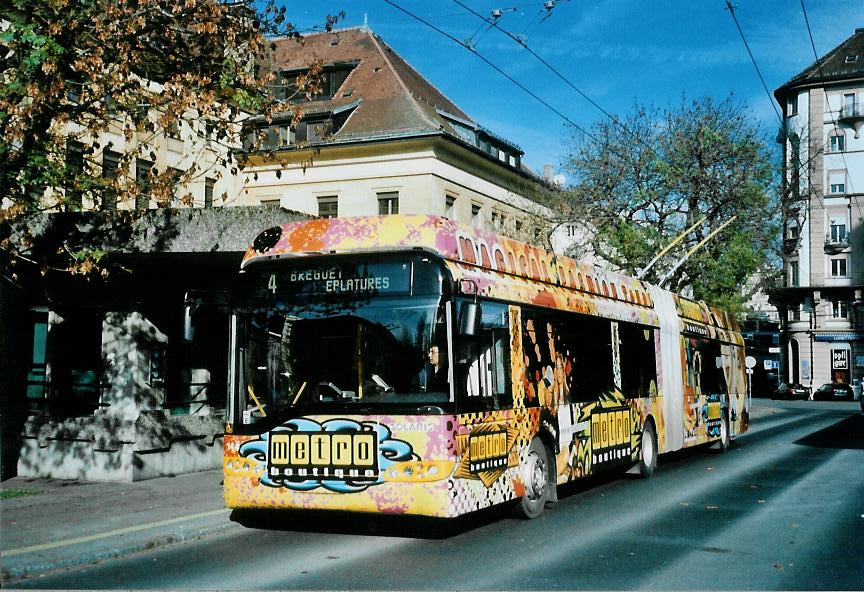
(796,162)
(495,67)
(523,44)
(516,82)
(753,60)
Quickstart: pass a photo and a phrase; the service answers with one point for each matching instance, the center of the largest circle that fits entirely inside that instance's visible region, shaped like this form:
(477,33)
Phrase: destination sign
(360,279)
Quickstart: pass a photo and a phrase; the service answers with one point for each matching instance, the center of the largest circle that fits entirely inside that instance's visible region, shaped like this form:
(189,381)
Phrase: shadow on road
(846,435)
(334,522)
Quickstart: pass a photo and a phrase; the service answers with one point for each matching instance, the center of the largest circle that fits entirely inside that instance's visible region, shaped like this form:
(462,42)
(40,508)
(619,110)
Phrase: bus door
(486,432)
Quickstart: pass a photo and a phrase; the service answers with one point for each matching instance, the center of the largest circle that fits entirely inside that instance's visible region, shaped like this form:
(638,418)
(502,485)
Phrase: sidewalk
(68,523)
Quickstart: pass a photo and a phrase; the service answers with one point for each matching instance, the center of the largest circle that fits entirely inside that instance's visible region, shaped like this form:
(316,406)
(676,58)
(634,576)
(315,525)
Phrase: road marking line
(110,533)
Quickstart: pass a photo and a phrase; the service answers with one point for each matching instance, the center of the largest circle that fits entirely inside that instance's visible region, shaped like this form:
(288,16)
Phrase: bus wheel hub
(536,474)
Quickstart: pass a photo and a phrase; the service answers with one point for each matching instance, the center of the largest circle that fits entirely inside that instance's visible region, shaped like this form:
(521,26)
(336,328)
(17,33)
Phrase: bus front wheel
(648,450)
(535,476)
(725,436)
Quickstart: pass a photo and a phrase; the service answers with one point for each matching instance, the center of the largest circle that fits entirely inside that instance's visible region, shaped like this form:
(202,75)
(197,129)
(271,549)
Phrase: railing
(855,111)
(835,245)
(176,406)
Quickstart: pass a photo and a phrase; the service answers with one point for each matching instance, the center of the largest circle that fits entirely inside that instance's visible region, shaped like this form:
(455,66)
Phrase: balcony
(790,245)
(834,245)
(852,115)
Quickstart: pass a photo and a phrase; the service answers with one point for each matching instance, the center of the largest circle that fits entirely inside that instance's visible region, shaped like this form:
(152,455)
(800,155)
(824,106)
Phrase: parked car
(834,391)
(791,391)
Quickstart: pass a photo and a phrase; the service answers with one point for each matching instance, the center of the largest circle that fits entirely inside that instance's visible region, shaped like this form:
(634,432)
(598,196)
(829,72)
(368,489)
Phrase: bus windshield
(336,337)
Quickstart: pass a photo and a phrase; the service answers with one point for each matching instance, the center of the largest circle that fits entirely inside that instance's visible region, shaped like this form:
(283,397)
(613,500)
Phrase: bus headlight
(419,471)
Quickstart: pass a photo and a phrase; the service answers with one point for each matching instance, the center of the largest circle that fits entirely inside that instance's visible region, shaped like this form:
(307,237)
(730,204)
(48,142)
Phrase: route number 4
(271,285)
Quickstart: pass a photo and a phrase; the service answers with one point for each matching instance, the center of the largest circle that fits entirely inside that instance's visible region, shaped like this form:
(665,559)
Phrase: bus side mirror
(188,326)
(469,319)
(191,303)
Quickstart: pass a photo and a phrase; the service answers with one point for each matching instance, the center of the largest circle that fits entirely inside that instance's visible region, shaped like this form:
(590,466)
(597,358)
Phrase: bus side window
(638,360)
(589,346)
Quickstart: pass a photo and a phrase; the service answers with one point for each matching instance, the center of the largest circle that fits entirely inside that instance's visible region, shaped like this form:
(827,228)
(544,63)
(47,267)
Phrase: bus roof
(470,253)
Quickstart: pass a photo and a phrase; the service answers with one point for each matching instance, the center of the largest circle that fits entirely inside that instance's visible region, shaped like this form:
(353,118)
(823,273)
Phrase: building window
(497,220)
(795,312)
(792,106)
(328,206)
(837,142)
(388,203)
(839,309)
(837,182)
(838,267)
(273,137)
(450,206)
(110,168)
(838,231)
(794,277)
(299,86)
(74,169)
(175,175)
(476,209)
(37,385)
(849,104)
(142,178)
(209,186)
(172,130)
(75,357)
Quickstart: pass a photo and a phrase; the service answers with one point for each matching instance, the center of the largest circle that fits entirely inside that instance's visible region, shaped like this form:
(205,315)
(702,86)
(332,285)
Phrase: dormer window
(298,86)
(852,58)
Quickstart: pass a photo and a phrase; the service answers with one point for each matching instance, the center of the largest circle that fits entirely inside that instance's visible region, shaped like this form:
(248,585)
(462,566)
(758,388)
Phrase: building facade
(820,302)
(378,138)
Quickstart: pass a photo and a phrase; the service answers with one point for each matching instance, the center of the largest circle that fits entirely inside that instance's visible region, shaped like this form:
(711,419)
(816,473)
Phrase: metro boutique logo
(340,455)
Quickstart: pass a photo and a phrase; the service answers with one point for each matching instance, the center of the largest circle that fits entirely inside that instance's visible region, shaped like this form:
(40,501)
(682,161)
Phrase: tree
(77,71)
(642,180)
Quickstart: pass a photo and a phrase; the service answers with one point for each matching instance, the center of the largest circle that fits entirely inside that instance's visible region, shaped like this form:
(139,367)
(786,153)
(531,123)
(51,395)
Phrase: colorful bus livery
(412,365)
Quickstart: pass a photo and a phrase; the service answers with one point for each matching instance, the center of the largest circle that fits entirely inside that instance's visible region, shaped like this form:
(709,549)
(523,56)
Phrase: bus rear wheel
(648,450)
(535,476)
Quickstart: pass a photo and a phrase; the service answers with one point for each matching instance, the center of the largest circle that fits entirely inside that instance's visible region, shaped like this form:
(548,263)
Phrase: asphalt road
(783,509)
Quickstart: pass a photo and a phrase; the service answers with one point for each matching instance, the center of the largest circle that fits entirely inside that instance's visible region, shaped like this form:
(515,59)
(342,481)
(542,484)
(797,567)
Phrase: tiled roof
(392,99)
(846,61)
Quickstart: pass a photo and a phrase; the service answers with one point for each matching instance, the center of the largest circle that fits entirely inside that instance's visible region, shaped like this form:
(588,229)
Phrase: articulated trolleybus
(412,365)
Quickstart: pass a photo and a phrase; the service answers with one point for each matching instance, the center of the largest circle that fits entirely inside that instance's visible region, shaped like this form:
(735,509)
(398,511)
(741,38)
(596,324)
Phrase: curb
(39,561)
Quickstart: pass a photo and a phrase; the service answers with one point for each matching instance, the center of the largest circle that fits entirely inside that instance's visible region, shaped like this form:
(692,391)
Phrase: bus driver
(438,377)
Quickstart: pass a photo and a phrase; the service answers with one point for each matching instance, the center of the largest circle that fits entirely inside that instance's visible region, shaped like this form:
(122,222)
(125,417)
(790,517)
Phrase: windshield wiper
(386,388)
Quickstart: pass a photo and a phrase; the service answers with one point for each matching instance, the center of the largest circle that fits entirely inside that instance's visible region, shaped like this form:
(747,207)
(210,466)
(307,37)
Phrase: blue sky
(615,51)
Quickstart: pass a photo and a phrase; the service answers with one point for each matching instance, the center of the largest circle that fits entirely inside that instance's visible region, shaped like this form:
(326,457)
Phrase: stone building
(820,302)
(381,139)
